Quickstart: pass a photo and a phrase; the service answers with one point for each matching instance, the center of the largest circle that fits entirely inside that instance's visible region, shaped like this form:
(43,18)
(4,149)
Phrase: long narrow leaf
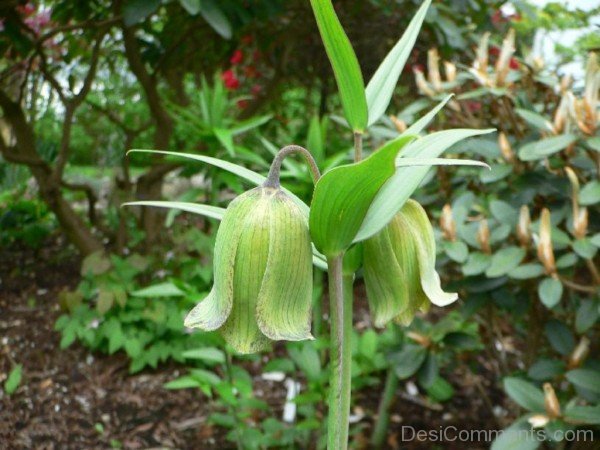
(345,65)
(381,87)
(403,183)
(416,162)
(420,124)
(240,171)
(214,212)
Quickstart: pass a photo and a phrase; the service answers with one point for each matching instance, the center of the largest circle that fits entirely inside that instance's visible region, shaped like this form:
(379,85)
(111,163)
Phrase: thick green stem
(340,301)
(383,412)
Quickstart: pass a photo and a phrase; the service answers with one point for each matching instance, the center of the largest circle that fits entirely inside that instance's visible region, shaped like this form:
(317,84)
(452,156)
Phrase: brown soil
(72,399)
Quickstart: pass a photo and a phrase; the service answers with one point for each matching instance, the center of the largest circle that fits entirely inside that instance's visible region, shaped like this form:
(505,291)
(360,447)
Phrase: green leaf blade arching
(381,87)
(214,212)
(240,171)
(398,188)
(345,64)
(343,196)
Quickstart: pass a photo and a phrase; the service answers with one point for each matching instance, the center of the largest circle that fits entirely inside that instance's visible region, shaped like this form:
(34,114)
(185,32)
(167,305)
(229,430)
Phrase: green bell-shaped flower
(262,273)
(399,268)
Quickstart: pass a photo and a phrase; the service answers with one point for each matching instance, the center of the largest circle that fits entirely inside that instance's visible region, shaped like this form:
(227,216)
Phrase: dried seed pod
(505,148)
(422,83)
(399,124)
(580,353)
(433,69)
(523,226)
(506,53)
(262,273)
(450,71)
(399,268)
(447,223)
(551,401)
(483,236)
(481,58)
(544,249)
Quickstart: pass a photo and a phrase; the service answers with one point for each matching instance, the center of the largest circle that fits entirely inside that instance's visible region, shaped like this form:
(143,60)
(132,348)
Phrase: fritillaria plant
(360,216)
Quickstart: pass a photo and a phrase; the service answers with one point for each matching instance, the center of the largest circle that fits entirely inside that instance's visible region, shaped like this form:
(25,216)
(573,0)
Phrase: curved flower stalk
(399,265)
(263,273)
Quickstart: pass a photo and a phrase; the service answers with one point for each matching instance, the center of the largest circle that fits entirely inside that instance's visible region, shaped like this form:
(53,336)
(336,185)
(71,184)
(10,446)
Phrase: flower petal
(425,242)
(212,312)
(284,304)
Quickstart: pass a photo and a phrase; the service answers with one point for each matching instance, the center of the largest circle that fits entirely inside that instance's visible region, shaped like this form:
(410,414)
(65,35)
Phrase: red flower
(237,57)
(230,80)
(513,64)
(242,104)
(247,39)
(494,51)
(498,17)
(473,106)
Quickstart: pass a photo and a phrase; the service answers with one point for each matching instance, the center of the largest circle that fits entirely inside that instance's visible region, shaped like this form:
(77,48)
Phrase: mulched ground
(72,399)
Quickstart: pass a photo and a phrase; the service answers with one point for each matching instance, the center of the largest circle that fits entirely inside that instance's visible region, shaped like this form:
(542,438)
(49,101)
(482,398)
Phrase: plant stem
(383,412)
(275,170)
(358,146)
(340,304)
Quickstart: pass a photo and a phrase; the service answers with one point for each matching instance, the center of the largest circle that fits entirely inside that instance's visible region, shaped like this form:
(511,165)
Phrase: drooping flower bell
(262,273)
(399,268)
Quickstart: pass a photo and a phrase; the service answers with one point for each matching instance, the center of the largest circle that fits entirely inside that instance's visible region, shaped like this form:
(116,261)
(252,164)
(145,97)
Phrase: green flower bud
(399,268)
(262,273)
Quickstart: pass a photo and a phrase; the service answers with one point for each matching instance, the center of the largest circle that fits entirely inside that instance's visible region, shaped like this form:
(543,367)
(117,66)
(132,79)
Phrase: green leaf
(136,11)
(535,119)
(213,212)
(398,188)
(526,271)
(206,354)
(235,169)
(14,379)
(381,87)
(407,362)
(226,139)
(590,193)
(546,369)
(314,140)
(588,379)
(585,248)
(504,261)
(185,382)
(416,162)
(583,414)
(422,123)
(345,65)
(166,289)
(476,264)
(191,6)
(516,437)
(560,337)
(457,251)
(594,143)
(213,15)
(526,394)
(550,291)
(545,147)
(343,195)
(440,390)
(587,315)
